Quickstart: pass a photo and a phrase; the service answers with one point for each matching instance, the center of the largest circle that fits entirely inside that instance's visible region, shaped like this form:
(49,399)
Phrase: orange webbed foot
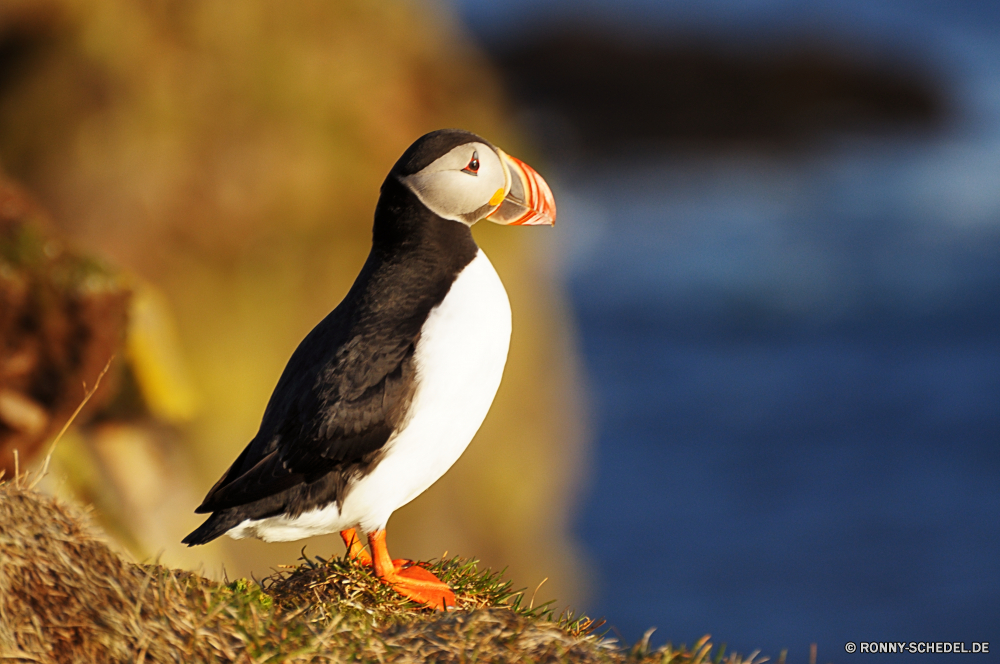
(420,585)
(408,578)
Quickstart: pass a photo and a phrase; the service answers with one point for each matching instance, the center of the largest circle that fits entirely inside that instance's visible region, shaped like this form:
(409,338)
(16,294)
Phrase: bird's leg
(355,549)
(407,579)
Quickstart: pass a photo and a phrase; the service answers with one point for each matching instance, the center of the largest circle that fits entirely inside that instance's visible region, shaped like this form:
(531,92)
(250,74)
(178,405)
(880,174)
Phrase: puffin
(386,392)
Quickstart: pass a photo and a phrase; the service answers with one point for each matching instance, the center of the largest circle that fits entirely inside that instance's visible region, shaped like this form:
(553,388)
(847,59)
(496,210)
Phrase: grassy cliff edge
(66,596)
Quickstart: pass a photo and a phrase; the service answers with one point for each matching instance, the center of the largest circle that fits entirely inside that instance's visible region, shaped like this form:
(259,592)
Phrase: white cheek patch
(453,194)
(448,193)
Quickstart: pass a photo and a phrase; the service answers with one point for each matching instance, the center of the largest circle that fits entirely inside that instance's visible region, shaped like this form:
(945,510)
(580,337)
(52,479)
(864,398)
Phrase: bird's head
(460,176)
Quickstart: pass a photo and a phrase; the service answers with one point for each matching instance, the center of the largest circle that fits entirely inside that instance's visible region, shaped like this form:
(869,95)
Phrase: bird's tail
(216,525)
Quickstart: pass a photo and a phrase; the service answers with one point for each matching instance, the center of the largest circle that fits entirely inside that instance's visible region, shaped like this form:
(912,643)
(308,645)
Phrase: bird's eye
(473,167)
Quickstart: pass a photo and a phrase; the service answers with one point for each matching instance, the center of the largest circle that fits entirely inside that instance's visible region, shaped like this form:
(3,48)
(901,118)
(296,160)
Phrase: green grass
(340,586)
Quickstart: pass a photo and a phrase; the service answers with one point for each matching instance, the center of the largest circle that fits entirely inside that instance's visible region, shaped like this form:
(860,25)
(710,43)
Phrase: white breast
(459,362)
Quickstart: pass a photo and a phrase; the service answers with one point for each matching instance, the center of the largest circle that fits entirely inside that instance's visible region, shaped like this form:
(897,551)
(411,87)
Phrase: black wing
(350,382)
(343,393)
(337,403)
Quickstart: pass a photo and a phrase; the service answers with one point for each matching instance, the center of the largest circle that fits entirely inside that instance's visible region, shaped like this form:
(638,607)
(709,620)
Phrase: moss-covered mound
(65,596)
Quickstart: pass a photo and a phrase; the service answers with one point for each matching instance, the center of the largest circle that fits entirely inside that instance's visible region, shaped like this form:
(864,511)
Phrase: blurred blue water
(795,362)
(796,379)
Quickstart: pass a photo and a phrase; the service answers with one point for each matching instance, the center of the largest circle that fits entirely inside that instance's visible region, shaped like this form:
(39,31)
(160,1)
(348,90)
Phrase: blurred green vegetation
(229,156)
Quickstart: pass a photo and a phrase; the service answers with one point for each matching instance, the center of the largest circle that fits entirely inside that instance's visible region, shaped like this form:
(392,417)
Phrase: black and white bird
(386,392)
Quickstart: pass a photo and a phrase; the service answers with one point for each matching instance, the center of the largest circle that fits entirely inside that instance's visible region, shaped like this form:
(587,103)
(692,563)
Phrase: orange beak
(529,201)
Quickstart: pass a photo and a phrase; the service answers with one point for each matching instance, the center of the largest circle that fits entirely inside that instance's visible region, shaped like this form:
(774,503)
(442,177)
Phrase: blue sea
(793,360)
(797,411)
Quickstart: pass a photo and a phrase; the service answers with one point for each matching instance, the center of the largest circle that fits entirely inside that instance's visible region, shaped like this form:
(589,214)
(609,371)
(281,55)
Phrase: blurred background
(762,344)
(781,242)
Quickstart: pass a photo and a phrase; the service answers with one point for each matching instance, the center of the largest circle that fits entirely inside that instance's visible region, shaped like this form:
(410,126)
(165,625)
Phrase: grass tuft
(341,586)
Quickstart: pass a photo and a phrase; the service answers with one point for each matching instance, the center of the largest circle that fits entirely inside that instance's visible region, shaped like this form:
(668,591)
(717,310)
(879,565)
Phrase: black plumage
(349,383)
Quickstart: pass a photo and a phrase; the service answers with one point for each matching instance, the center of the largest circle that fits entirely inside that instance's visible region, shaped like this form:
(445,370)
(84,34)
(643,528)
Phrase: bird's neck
(404,226)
